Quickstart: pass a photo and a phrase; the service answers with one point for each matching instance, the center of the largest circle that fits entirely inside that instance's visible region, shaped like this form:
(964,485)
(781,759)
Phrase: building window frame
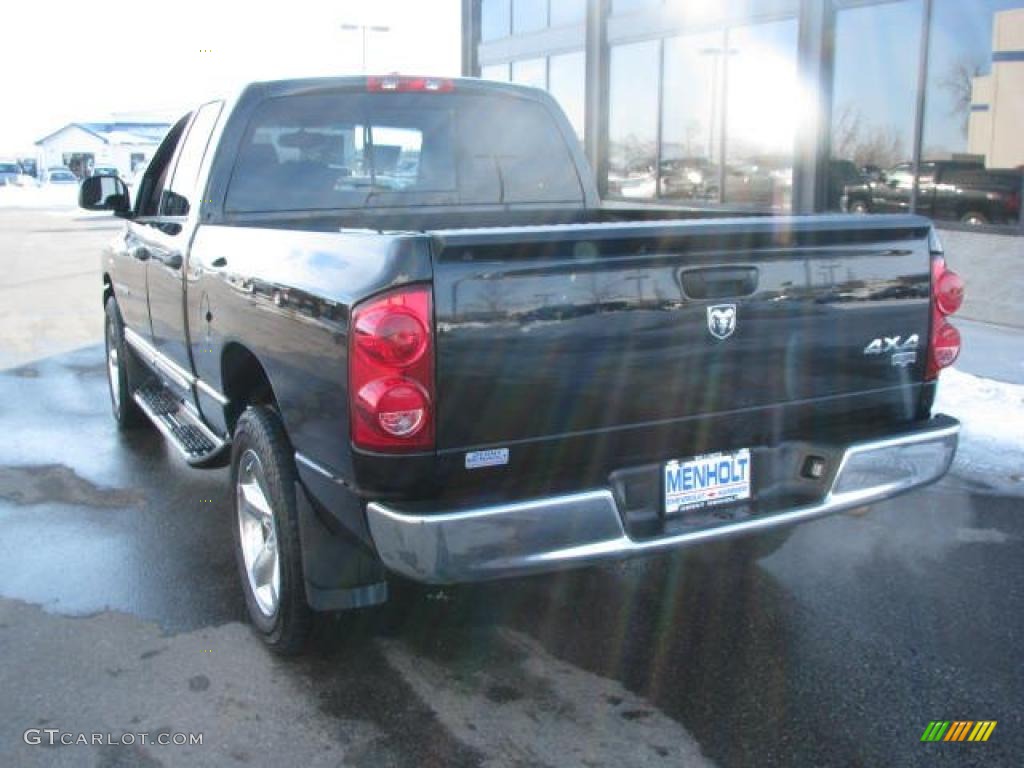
(811,153)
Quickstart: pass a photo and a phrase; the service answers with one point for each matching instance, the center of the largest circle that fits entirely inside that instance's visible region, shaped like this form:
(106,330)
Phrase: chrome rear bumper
(581,528)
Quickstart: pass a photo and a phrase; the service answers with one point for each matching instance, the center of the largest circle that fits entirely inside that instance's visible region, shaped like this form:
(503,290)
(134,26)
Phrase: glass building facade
(781,105)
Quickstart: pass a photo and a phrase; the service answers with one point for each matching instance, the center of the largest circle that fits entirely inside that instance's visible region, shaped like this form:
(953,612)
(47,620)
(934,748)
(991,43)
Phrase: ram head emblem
(722,320)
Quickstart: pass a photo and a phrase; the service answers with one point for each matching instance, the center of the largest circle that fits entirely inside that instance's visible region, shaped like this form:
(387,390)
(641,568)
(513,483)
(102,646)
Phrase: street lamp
(718,53)
(363,28)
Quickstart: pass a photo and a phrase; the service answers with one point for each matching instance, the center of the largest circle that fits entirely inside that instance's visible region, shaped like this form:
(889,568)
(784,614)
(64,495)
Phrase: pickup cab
(398,310)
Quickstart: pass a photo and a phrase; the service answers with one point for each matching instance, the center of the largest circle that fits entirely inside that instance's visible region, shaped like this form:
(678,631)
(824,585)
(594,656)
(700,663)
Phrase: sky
(72,60)
(877,57)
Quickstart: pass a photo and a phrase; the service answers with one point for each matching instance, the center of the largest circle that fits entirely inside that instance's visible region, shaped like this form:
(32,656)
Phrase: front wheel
(859,207)
(126,412)
(266,530)
(974,219)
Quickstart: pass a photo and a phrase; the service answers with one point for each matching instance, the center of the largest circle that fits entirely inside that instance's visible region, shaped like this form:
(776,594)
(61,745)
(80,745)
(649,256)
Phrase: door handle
(719,282)
(141,253)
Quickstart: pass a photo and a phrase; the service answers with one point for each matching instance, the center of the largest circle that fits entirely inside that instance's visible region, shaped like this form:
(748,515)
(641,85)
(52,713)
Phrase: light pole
(718,53)
(363,28)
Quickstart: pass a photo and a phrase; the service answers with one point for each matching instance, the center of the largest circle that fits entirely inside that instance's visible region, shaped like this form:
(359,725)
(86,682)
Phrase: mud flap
(339,573)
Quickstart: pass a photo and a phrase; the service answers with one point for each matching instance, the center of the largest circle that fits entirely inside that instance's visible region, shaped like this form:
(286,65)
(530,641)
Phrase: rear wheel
(266,530)
(126,412)
(974,219)
(858,206)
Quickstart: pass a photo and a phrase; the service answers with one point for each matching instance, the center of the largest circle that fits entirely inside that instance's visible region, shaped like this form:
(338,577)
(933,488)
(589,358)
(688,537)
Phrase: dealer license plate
(706,481)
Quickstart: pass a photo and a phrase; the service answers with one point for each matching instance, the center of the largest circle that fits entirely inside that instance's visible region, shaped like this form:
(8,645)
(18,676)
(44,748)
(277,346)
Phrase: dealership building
(767,104)
(121,144)
(996,128)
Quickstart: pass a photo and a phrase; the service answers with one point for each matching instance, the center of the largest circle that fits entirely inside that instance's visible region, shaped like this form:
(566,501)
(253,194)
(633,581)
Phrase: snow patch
(54,196)
(991,451)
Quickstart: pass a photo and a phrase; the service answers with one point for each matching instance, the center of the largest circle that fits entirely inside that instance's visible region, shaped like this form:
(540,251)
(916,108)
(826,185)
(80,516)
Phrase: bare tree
(864,143)
(882,146)
(847,128)
(958,83)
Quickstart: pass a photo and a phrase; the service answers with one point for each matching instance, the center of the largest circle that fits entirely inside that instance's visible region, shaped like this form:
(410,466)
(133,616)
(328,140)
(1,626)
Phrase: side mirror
(104,193)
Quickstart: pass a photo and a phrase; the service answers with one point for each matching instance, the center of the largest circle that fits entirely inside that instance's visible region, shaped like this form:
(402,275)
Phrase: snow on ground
(47,196)
(992,438)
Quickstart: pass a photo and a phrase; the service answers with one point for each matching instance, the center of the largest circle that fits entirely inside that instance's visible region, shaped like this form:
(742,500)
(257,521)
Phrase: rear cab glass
(335,150)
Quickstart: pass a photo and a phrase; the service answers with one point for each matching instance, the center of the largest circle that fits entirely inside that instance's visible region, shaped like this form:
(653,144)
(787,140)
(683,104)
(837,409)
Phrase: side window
(182,193)
(901,177)
(158,173)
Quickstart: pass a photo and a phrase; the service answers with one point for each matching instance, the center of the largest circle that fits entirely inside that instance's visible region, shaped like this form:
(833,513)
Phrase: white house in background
(83,146)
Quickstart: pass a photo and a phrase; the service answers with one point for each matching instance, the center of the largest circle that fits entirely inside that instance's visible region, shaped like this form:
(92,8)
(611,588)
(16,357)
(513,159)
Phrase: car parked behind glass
(60,176)
(10,173)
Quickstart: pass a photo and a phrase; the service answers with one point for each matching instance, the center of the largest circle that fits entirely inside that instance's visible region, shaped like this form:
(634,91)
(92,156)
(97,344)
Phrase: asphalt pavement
(120,611)
(993,351)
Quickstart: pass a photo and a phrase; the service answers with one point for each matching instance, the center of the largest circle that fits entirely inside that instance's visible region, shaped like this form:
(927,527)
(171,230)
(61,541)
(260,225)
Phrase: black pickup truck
(947,191)
(398,309)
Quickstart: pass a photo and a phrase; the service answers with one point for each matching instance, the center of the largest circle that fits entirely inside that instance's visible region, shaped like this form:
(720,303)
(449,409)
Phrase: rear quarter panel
(286,296)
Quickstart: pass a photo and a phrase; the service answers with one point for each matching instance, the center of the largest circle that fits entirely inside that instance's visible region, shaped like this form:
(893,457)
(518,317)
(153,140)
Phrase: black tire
(120,367)
(974,219)
(259,432)
(859,207)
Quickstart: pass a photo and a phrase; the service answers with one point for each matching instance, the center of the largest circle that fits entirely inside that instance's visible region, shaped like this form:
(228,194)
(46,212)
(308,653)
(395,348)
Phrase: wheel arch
(245,382)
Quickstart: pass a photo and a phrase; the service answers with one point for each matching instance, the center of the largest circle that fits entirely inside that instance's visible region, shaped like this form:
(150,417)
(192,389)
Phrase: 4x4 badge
(902,351)
(722,320)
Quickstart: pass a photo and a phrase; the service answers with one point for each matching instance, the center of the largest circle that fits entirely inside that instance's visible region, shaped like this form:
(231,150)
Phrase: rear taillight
(949,292)
(1013,204)
(398,84)
(947,296)
(391,372)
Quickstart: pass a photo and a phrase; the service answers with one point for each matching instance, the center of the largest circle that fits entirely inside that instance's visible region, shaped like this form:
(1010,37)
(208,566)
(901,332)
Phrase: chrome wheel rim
(113,368)
(258,534)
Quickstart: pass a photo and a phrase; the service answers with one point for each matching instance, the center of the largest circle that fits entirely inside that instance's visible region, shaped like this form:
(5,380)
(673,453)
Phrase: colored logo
(958,730)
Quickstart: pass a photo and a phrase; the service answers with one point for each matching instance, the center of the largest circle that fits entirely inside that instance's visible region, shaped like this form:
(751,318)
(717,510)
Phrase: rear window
(354,150)
(8,168)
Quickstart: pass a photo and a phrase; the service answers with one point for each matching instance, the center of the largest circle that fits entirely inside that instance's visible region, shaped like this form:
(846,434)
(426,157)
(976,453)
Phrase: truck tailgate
(552,333)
